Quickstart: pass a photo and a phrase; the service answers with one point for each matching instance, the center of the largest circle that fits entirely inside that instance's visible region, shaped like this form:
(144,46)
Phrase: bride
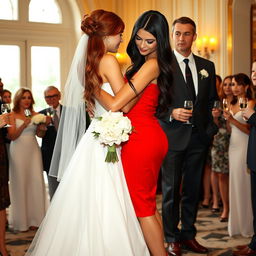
(91,212)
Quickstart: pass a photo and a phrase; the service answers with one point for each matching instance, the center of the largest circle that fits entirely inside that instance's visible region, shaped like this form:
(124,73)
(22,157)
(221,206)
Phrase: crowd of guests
(230,173)
(226,169)
(22,162)
(230,178)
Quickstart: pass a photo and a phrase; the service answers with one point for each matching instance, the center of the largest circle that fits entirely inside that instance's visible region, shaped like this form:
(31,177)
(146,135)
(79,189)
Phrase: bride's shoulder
(108,59)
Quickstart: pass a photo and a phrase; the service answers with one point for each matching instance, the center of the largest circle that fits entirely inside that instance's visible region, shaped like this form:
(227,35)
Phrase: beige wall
(241,39)
(211,16)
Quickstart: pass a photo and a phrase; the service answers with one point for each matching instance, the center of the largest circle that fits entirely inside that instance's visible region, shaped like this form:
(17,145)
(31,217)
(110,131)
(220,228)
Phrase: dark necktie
(55,120)
(189,80)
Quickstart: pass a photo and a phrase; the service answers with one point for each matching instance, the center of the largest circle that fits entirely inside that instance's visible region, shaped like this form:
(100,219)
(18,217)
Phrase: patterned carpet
(211,233)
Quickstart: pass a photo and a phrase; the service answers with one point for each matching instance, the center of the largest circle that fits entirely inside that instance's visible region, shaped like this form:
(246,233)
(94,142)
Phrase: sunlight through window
(10,67)
(8,9)
(46,11)
(45,69)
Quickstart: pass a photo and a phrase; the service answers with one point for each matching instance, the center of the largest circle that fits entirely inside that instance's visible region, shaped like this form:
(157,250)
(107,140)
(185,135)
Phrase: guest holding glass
(219,152)
(7,100)
(240,214)
(27,188)
(190,134)
(52,97)
(250,115)
(210,181)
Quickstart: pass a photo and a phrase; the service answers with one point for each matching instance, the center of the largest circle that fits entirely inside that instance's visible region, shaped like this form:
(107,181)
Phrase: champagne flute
(225,104)
(27,112)
(243,103)
(50,112)
(188,104)
(216,104)
(5,109)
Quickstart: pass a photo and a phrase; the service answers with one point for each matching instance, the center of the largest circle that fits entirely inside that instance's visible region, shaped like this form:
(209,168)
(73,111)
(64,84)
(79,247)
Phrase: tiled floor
(211,233)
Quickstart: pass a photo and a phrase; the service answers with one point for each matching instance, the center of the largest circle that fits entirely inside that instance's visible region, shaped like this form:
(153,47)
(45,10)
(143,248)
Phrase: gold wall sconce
(206,46)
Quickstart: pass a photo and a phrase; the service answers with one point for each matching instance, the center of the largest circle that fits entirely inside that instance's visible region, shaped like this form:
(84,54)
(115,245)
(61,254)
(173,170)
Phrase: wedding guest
(7,96)
(52,97)
(149,83)
(210,182)
(27,188)
(220,165)
(1,88)
(7,99)
(4,192)
(250,115)
(240,213)
(189,133)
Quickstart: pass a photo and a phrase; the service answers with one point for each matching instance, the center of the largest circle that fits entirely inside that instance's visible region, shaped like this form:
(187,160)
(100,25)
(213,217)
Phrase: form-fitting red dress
(143,153)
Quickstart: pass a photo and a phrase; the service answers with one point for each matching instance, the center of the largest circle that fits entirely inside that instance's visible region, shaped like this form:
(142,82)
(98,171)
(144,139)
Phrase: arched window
(9,9)
(36,45)
(47,11)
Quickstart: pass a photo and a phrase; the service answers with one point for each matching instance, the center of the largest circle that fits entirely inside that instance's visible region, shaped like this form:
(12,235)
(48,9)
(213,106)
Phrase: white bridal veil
(73,116)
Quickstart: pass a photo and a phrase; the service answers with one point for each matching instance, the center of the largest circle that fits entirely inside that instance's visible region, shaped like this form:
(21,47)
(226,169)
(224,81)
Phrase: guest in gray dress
(219,152)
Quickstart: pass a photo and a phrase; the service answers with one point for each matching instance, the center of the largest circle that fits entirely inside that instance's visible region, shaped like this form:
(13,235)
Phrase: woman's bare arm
(110,71)
(13,132)
(147,73)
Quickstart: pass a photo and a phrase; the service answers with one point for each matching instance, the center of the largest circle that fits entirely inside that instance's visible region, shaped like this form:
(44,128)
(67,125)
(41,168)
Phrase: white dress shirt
(192,66)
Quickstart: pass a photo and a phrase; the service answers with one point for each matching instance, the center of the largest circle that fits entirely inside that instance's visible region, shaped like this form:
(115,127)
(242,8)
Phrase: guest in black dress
(4,192)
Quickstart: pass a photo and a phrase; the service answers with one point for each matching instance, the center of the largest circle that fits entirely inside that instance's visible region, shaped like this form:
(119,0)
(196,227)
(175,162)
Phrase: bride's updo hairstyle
(97,25)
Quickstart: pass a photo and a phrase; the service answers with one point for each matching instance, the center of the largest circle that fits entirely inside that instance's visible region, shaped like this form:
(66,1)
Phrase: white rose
(203,73)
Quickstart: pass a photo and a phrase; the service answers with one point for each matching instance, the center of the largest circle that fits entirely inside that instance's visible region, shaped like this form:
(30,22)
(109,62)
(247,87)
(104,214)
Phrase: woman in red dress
(147,90)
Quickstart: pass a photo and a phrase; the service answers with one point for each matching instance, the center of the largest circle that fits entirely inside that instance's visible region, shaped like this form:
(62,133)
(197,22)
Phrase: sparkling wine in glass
(5,109)
(243,103)
(225,104)
(188,104)
(27,112)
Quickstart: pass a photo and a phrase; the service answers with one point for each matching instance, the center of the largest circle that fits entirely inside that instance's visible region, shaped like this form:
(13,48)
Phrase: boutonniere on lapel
(203,73)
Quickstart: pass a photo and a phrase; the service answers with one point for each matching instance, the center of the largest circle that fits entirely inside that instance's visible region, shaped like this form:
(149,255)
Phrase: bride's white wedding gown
(91,212)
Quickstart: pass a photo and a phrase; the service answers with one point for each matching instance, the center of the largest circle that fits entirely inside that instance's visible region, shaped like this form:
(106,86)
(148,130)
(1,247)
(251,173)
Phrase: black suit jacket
(177,132)
(48,142)
(251,151)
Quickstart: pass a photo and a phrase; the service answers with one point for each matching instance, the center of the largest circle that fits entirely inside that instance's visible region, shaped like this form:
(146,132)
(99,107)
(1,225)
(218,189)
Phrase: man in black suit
(250,115)
(194,80)
(52,97)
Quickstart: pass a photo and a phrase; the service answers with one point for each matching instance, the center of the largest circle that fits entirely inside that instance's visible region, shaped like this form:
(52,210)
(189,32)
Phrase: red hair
(99,24)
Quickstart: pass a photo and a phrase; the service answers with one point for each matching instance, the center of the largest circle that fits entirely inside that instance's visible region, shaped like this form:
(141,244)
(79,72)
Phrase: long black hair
(155,23)
(244,80)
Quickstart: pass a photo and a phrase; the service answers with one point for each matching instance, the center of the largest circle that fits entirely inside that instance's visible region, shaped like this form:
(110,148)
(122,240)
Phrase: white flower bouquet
(112,128)
(38,119)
